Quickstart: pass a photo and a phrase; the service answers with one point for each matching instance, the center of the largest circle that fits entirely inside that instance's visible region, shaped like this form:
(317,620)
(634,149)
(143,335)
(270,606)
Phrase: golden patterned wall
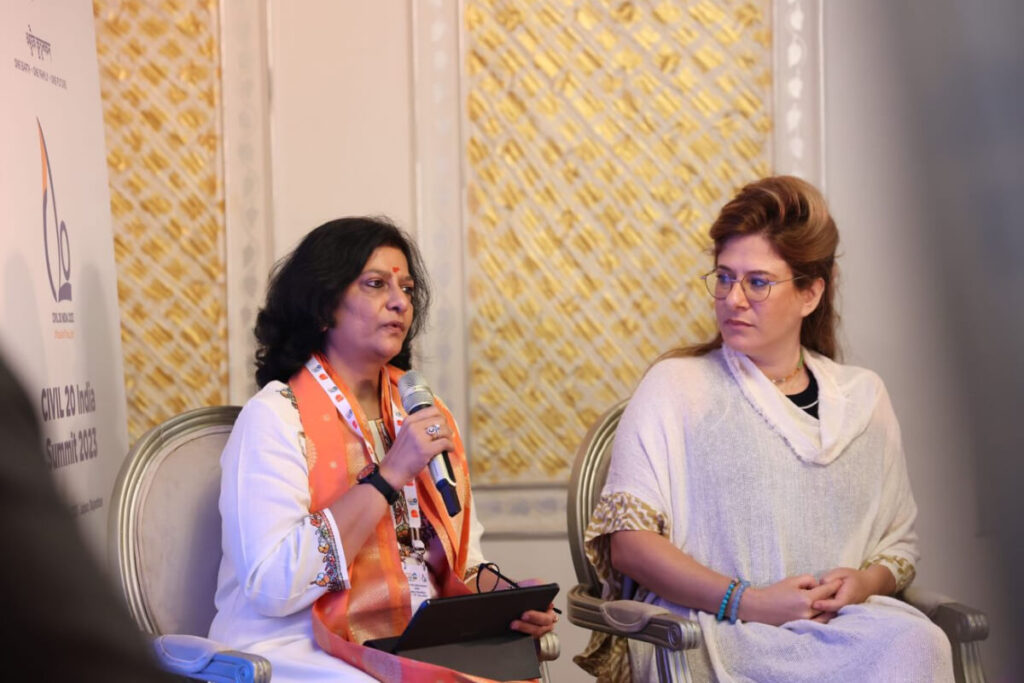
(160,81)
(602,139)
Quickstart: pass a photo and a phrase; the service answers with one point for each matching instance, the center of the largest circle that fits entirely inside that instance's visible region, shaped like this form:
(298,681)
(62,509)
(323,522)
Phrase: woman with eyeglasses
(759,486)
(333,531)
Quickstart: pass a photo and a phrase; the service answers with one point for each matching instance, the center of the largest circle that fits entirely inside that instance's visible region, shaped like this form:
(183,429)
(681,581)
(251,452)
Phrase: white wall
(341,114)
(893,312)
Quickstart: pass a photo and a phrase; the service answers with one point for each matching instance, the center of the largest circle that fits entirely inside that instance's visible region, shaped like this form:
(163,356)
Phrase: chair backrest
(165,525)
(588,474)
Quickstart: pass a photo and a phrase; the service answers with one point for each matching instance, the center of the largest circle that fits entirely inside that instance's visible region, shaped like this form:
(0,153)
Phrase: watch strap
(371,475)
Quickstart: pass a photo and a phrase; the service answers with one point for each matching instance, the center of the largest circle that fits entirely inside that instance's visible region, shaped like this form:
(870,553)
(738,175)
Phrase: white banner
(59,320)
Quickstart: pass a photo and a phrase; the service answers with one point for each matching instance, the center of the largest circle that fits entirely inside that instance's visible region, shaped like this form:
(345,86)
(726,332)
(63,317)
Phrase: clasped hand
(806,597)
(854,588)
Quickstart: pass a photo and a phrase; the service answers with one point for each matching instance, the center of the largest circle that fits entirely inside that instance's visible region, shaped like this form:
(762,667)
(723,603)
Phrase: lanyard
(415,567)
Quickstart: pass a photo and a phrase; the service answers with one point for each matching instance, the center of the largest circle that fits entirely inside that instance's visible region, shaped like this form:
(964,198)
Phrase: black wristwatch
(371,475)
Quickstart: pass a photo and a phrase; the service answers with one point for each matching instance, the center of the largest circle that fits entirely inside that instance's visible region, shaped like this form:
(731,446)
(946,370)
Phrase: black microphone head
(414,392)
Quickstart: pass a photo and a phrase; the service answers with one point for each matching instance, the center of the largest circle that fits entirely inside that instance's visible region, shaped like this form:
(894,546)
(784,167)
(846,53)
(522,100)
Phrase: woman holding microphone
(333,530)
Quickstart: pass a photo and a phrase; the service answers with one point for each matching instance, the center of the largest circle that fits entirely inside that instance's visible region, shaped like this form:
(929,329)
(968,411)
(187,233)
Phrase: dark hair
(306,287)
(793,216)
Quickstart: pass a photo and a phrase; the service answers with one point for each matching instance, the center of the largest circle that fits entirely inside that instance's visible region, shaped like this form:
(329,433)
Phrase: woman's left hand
(857,586)
(533,622)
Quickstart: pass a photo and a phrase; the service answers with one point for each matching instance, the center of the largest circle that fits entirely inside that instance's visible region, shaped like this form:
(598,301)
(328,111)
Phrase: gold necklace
(799,367)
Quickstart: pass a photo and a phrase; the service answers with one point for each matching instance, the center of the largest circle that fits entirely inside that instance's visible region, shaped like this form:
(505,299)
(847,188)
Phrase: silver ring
(433,431)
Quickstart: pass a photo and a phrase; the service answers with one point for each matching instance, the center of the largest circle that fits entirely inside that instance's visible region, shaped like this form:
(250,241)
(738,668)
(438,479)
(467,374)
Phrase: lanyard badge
(414,566)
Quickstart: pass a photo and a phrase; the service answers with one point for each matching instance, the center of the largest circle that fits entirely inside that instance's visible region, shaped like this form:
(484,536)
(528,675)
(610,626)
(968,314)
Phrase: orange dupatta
(377,604)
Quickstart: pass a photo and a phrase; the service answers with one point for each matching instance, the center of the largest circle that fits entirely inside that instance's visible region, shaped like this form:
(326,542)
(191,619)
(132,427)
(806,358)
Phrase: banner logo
(56,244)
(40,48)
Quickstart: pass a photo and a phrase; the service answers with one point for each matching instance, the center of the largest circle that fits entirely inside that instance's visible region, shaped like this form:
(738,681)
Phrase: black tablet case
(470,633)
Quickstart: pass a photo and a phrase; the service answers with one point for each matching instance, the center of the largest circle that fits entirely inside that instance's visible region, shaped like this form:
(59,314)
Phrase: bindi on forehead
(394,269)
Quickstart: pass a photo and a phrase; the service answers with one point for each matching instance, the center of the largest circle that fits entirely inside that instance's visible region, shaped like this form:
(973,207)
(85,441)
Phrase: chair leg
(672,666)
(967,662)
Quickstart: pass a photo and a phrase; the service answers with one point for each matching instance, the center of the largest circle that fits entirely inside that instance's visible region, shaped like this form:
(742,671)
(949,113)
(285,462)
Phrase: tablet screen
(477,615)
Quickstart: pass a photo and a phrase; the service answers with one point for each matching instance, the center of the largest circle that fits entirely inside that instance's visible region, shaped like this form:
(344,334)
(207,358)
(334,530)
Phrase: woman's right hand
(786,600)
(414,447)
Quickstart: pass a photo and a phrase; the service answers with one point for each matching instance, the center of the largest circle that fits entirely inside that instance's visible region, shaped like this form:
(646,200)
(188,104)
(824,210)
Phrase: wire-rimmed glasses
(755,287)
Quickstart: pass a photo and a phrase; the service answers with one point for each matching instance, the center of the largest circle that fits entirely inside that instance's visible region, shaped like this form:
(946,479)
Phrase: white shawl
(750,485)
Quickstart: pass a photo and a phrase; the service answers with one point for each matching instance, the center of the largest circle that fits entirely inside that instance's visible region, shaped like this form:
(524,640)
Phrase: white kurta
(712,455)
(277,557)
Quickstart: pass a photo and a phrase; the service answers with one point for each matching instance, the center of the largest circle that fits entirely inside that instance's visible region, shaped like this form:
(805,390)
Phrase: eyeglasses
(499,577)
(755,287)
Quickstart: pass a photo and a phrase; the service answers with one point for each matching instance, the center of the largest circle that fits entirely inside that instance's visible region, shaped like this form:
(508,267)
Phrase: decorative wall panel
(602,137)
(799,90)
(159,76)
(245,106)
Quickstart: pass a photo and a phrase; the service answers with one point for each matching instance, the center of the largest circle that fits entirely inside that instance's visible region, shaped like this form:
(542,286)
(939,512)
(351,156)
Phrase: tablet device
(439,621)
(467,632)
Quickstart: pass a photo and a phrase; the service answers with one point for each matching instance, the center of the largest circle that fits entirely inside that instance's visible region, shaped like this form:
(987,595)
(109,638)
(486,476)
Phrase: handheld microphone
(417,395)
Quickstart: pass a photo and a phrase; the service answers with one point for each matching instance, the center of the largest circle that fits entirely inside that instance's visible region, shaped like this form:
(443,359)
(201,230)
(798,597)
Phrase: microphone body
(416,395)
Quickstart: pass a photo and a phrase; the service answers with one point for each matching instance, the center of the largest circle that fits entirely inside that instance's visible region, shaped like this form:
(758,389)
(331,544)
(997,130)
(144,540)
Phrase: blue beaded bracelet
(744,585)
(725,599)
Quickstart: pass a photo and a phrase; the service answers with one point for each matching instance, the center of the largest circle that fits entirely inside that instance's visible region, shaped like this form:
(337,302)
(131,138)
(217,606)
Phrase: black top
(807,400)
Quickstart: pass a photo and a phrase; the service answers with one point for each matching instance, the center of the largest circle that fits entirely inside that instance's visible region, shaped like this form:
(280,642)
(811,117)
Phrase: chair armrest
(548,647)
(960,623)
(631,619)
(207,660)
